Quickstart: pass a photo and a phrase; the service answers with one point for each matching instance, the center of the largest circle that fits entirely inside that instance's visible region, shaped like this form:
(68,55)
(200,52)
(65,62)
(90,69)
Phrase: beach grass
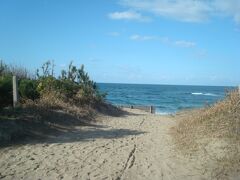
(213,131)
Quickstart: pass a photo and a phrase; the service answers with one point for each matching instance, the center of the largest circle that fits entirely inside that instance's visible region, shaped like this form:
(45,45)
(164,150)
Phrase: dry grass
(50,115)
(213,131)
(53,101)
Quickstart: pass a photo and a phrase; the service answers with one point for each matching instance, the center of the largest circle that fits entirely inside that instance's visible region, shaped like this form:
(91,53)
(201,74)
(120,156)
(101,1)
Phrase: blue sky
(128,41)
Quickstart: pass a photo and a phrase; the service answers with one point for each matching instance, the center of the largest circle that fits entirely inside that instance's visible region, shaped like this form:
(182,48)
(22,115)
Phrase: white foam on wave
(197,93)
(210,94)
(204,94)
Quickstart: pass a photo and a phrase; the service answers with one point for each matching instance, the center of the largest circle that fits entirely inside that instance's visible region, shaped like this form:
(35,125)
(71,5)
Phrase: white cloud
(165,40)
(115,34)
(128,15)
(187,10)
(137,37)
(228,8)
(185,44)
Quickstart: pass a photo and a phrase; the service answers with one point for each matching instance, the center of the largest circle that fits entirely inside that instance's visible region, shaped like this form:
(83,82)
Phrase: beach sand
(137,145)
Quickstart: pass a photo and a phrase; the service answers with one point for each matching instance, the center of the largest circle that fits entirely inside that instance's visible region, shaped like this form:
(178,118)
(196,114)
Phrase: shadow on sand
(55,126)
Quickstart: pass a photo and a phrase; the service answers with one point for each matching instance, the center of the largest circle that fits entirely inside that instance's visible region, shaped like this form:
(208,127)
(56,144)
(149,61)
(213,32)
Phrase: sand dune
(135,146)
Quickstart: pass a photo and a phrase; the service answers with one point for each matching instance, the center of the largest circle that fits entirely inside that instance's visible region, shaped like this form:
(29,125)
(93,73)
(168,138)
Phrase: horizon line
(167,84)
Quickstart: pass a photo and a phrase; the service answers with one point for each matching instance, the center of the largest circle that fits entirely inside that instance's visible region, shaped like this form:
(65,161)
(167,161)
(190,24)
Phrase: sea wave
(196,93)
(204,94)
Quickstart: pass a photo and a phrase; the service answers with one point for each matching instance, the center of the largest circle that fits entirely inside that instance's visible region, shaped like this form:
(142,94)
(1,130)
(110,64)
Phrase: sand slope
(134,146)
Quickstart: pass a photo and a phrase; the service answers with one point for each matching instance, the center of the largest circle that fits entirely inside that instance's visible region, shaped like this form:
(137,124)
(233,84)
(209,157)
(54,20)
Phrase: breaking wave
(204,94)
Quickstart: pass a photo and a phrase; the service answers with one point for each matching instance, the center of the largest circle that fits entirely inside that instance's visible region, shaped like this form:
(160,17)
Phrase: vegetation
(213,129)
(5,90)
(20,72)
(28,89)
(73,86)
(46,101)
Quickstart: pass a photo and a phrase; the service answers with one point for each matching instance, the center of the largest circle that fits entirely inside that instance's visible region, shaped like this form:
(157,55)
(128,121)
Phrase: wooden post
(131,107)
(239,89)
(15,91)
(151,109)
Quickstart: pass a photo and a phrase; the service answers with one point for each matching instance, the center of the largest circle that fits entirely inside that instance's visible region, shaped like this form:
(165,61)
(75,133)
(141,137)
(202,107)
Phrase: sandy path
(136,146)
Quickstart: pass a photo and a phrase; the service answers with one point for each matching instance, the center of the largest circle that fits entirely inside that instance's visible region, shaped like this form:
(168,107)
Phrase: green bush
(51,84)
(68,88)
(74,84)
(5,91)
(28,89)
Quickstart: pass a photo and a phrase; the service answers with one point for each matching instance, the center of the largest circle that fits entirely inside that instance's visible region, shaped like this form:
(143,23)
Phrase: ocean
(167,99)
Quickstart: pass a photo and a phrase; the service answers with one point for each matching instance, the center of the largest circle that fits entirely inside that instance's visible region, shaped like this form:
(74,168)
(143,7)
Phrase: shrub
(28,89)
(74,84)
(5,91)
(2,68)
(20,72)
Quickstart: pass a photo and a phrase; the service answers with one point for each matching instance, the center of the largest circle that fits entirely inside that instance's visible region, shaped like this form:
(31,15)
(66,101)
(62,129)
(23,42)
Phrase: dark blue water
(166,98)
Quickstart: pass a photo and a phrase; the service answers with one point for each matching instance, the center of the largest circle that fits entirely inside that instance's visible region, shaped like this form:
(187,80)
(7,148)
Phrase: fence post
(151,109)
(15,91)
(239,89)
